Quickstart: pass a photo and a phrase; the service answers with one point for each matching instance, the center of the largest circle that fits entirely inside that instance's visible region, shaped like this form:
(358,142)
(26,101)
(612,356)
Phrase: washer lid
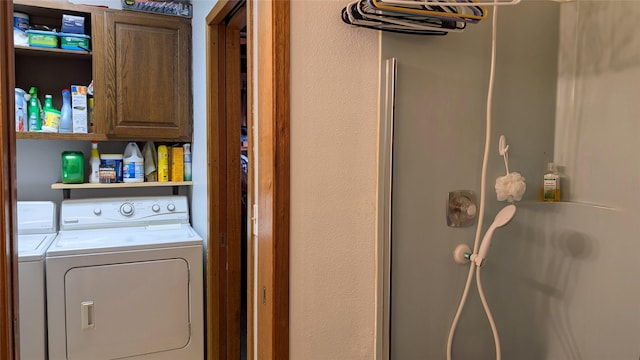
(32,247)
(36,217)
(70,242)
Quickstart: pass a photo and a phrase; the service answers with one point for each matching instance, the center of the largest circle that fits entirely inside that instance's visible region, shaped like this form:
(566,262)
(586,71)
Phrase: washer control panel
(133,211)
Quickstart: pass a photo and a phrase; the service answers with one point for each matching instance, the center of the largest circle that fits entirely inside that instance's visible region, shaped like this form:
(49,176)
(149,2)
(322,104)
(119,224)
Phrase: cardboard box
(167,7)
(79,108)
(72,24)
(177,163)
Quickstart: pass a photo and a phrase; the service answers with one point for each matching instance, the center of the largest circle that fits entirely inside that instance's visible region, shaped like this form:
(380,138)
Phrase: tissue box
(79,108)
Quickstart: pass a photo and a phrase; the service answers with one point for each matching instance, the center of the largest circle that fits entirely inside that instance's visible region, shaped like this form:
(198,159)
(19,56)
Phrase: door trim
(9,344)
(223,291)
(273,183)
(273,180)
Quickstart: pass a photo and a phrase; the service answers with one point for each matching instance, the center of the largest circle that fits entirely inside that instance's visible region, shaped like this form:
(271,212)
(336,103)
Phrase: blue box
(72,24)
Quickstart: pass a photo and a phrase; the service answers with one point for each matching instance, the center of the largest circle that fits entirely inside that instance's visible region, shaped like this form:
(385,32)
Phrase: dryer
(37,228)
(125,280)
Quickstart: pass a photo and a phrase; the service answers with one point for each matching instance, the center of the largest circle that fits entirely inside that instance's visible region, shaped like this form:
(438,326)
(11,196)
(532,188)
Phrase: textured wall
(334,121)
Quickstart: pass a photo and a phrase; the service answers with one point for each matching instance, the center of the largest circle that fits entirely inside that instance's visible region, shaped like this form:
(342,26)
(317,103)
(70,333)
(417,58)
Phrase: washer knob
(155,208)
(97,211)
(126,209)
(171,207)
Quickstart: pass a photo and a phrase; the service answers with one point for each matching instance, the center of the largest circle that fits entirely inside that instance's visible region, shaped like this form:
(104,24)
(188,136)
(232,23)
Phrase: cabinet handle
(87,315)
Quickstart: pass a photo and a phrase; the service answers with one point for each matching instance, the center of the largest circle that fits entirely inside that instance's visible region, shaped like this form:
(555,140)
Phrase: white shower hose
(483,183)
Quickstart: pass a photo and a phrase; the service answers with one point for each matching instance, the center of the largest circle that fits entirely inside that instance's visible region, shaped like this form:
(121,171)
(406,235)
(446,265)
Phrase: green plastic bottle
(35,122)
(48,103)
(51,119)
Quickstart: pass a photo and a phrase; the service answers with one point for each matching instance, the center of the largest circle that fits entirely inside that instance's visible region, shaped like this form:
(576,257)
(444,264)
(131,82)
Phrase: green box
(71,41)
(38,38)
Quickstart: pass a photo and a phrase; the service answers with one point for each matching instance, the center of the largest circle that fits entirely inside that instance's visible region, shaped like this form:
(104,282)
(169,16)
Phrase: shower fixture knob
(461,208)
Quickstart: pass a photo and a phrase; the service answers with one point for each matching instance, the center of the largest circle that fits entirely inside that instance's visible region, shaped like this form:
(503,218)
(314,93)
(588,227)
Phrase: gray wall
(558,277)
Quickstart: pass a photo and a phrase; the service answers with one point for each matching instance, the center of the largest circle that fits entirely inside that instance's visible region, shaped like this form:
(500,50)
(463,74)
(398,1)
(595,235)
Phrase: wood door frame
(272,178)
(9,341)
(223,143)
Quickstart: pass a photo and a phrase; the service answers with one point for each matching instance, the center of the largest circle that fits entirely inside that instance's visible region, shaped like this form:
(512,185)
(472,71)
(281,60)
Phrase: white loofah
(510,187)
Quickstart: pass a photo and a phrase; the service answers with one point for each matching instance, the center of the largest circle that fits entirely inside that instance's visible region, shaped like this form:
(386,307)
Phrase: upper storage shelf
(139,64)
(51,52)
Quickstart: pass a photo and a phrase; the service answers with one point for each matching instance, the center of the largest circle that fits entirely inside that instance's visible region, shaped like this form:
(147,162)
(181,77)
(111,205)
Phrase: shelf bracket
(66,193)
(175,190)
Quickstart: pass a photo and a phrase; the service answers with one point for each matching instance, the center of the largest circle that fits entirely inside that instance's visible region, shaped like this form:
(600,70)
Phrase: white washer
(125,280)
(36,230)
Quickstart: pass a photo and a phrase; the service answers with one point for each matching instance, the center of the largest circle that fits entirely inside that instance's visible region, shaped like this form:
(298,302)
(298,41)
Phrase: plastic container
(113,161)
(35,122)
(74,41)
(51,119)
(66,121)
(132,164)
(551,184)
(21,21)
(187,162)
(94,163)
(72,167)
(163,163)
(39,38)
(90,114)
(22,123)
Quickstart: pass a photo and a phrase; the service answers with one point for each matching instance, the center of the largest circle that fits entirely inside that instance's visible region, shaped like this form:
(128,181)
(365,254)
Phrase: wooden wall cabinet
(140,65)
(148,76)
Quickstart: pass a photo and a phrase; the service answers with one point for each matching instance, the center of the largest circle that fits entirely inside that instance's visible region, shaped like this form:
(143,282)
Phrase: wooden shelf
(32,50)
(61,186)
(60,136)
(66,188)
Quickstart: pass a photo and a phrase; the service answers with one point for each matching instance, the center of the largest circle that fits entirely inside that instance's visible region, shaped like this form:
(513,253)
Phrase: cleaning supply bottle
(133,164)
(66,121)
(51,120)
(21,109)
(35,119)
(187,162)
(551,184)
(48,103)
(94,162)
(163,163)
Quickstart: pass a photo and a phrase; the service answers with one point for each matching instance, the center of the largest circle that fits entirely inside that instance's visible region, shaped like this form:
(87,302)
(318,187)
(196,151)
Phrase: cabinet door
(148,64)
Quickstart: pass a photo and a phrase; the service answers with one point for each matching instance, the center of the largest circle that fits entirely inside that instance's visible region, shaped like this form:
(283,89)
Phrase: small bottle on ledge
(551,184)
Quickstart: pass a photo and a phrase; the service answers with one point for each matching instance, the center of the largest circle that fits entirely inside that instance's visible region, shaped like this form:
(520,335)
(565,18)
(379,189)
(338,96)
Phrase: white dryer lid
(36,217)
(32,247)
(90,241)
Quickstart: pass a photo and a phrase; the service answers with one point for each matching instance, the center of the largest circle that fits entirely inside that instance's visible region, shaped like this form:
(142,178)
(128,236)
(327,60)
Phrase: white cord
(485,305)
(483,183)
